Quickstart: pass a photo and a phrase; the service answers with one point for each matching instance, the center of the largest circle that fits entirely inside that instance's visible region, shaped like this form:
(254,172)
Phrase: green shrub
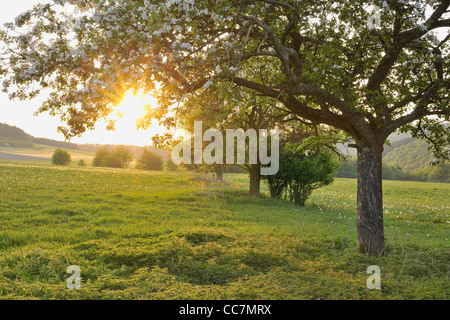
(61,157)
(300,172)
(120,157)
(149,160)
(169,165)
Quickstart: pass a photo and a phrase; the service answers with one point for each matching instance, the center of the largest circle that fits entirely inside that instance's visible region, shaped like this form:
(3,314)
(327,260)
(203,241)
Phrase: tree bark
(219,174)
(369,224)
(255,179)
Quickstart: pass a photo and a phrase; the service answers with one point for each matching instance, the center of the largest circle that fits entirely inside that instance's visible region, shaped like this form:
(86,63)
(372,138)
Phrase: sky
(21,113)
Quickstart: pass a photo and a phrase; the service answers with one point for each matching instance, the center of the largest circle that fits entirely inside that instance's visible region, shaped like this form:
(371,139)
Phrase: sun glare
(129,111)
(132,108)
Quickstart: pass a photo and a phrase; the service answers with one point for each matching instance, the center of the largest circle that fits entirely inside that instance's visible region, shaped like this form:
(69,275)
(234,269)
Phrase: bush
(300,172)
(149,160)
(169,165)
(82,163)
(277,183)
(121,157)
(61,157)
(101,158)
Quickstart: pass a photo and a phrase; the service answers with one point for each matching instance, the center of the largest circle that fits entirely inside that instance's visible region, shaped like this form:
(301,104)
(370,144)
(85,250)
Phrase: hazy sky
(20,114)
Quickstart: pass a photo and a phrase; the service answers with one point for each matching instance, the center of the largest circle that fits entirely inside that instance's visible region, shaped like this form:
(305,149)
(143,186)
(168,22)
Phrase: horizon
(75,143)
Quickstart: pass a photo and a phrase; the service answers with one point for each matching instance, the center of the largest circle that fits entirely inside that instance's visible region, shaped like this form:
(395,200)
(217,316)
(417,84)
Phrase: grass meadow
(180,235)
(45,152)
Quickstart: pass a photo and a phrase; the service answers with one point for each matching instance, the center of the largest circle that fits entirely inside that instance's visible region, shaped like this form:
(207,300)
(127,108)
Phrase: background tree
(221,110)
(149,160)
(234,107)
(101,158)
(169,165)
(324,62)
(61,157)
(206,107)
(120,157)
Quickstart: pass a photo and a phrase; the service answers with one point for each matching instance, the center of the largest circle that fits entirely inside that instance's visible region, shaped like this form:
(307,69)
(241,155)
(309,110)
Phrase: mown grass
(177,235)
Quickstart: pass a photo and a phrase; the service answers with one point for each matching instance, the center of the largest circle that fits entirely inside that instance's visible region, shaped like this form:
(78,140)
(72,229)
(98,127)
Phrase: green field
(45,152)
(178,235)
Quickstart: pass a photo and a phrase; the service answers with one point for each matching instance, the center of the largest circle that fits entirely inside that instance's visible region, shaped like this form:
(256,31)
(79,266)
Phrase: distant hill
(408,154)
(404,159)
(393,141)
(7,131)
(16,137)
(16,134)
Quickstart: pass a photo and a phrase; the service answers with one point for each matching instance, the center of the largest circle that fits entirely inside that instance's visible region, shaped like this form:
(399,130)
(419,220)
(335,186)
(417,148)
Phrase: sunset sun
(133,106)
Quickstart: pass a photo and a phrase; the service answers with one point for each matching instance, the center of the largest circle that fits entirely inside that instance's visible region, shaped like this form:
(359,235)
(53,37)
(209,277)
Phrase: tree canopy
(309,55)
(61,157)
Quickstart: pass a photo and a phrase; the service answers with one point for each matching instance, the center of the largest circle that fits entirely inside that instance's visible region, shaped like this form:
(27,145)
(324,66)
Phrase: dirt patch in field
(10,156)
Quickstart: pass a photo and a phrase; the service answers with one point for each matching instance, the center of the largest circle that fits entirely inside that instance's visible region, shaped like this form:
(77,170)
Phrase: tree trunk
(369,225)
(255,179)
(219,174)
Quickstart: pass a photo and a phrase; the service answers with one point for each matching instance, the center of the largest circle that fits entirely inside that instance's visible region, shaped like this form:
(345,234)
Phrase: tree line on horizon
(436,173)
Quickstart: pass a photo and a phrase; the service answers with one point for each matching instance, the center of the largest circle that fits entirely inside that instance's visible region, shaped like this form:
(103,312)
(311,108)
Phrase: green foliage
(169,165)
(436,173)
(332,75)
(410,156)
(300,172)
(82,163)
(102,158)
(414,159)
(61,157)
(120,157)
(348,169)
(149,160)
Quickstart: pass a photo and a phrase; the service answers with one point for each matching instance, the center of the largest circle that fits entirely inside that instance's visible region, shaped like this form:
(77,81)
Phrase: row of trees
(320,61)
(119,157)
(122,157)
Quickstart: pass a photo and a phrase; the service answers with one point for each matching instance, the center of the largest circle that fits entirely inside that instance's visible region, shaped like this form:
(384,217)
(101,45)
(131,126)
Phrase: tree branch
(386,63)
